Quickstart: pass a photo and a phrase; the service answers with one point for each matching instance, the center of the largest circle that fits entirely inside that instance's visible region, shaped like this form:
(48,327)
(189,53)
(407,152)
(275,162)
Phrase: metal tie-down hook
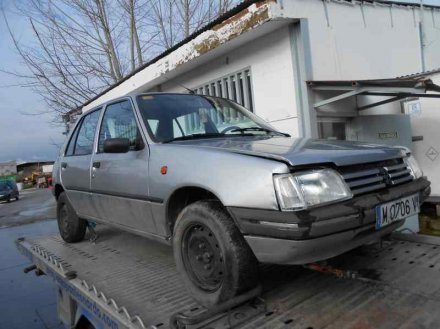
(91,226)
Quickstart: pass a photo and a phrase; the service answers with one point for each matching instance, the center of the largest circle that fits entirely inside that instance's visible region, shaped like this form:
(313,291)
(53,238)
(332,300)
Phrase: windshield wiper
(194,136)
(269,131)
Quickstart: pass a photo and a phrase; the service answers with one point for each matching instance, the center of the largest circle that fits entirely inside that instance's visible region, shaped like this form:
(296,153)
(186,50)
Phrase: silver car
(226,189)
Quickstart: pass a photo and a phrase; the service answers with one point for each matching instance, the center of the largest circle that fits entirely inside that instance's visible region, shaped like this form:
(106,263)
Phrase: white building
(8,170)
(425,123)
(299,64)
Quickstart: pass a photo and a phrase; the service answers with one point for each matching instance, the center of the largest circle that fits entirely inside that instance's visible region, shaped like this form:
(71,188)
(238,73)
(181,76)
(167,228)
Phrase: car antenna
(190,91)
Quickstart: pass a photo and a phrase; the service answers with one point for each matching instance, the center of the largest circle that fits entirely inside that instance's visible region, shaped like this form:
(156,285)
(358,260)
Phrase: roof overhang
(386,91)
(215,52)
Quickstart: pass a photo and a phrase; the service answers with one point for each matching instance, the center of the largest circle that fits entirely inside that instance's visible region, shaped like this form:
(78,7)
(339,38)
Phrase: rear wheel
(71,227)
(17,197)
(212,256)
(9,199)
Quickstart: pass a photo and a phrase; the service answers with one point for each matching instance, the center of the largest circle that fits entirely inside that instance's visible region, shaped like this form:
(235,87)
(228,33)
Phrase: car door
(75,164)
(120,180)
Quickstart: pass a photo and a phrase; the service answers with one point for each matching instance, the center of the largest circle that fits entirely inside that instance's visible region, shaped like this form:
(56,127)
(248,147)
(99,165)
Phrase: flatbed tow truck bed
(126,281)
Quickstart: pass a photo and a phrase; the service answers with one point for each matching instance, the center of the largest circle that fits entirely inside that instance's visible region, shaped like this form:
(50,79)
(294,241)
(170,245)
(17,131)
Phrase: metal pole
(422,34)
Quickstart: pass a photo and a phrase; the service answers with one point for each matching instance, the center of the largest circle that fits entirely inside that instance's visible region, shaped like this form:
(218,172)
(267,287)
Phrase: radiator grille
(375,176)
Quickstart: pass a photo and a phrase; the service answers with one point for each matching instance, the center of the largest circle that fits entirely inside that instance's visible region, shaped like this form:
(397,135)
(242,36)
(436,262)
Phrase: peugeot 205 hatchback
(226,189)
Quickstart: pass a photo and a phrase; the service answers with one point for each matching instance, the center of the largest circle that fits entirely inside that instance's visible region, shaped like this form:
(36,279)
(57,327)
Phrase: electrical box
(393,129)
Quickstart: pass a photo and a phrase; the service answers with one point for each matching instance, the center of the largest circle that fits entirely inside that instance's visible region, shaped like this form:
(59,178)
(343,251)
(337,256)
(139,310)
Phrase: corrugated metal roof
(396,89)
(423,84)
(420,75)
(390,2)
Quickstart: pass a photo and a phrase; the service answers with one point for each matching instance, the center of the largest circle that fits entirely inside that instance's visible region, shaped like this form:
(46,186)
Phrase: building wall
(426,123)
(354,41)
(8,170)
(372,42)
(348,40)
(270,61)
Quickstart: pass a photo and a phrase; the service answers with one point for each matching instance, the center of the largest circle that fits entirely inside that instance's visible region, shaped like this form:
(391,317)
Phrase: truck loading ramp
(134,282)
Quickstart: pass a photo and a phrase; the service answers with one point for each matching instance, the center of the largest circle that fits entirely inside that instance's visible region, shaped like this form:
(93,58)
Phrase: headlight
(310,188)
(411,162)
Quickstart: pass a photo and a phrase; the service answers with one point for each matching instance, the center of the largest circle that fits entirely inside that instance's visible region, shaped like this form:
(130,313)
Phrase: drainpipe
(422,34)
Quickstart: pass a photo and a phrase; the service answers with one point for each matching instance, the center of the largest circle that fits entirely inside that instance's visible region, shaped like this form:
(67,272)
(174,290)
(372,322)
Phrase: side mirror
(116,145)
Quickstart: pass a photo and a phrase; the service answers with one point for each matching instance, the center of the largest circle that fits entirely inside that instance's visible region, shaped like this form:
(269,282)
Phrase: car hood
(301,151)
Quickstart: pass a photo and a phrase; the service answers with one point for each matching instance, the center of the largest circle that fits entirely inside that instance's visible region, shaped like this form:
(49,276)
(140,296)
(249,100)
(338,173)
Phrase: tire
(72,228)
(17,198)
(9,199)
(211,254)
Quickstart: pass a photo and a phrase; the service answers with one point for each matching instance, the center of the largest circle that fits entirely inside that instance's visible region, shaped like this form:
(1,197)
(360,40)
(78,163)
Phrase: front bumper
(282,251)
(5,197)
(319,233)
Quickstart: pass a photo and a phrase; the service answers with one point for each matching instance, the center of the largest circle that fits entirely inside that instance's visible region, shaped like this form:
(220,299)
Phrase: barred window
(236,87)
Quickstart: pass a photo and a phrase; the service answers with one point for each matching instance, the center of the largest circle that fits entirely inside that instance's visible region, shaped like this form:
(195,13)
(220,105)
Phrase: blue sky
(29,137)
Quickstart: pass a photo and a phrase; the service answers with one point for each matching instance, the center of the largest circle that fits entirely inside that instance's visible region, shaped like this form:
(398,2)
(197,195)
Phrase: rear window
(4,184)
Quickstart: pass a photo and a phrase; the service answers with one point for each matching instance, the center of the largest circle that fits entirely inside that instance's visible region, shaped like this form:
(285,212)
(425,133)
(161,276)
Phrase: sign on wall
(413,107)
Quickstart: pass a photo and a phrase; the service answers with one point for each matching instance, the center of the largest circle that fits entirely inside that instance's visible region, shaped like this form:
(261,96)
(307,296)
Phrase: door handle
(63,165)
(96,165)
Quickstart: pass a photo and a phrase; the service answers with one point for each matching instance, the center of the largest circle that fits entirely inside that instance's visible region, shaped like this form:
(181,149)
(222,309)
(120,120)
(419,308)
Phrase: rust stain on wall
(211,42)
(247,19)
(239,25)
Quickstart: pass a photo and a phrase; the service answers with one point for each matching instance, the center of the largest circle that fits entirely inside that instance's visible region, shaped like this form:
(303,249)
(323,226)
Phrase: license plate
(393,211)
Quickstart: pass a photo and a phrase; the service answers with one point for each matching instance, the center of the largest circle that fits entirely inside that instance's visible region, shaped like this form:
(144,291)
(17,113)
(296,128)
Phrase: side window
(153,125)
(12,185)
(86,134)
(119,122)
(71,146)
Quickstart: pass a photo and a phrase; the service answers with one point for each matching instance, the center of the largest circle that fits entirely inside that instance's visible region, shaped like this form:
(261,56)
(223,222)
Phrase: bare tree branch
(80,47)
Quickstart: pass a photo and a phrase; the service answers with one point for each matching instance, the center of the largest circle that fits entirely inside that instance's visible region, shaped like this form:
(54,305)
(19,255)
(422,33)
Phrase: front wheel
(212,256)
(71,227)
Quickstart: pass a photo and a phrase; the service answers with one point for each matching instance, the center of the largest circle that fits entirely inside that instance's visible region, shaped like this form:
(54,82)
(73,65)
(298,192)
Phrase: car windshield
(170,117)
(3,186)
